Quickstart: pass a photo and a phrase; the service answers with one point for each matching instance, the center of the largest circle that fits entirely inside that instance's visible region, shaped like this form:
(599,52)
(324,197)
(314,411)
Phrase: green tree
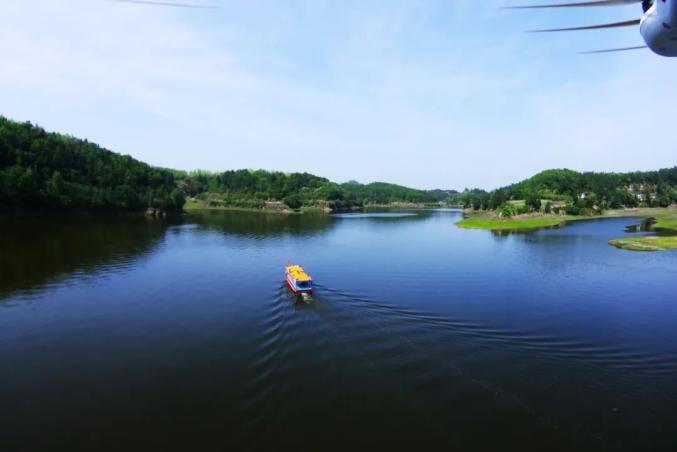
(293,201)
(55,190)
(533,200)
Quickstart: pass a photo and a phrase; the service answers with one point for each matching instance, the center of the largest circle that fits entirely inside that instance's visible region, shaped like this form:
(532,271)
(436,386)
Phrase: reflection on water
(251,224)
(41,250)
(154,335)
(375,215)
(643,225)
(499,233)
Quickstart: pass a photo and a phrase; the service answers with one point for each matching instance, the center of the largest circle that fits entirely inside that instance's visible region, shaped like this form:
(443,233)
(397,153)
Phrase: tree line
(578,192)
(40,169)
(253,188)
(384,193)
(49,170)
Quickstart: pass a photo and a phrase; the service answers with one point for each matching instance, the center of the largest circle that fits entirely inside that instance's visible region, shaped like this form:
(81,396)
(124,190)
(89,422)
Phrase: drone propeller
(622,49)
(594,3)
(627,23)
(646,4)
(160,3)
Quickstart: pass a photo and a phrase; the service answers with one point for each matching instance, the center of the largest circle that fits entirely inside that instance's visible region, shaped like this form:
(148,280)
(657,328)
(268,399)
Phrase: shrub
(571,209)
(548,207)
(507,210)
(521,210)
(292,201)
(533,200)
(587,212)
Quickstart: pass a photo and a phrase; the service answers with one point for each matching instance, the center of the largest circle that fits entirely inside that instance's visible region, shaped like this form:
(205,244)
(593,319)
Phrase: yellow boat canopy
(298,273)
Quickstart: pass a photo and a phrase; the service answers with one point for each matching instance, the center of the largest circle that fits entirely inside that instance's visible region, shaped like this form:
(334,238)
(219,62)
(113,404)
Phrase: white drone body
(658,25)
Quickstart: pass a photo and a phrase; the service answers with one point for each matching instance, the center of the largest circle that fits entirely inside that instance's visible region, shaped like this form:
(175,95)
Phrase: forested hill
(255,188)
(49,170)
(447,196)
(383,193)
(584,190)
(654,188)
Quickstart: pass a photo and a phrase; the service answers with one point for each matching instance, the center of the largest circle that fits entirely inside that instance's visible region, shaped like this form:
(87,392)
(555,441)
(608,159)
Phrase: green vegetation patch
(193,205)
(647,243)
(197,205)
(485,222)
(666,220)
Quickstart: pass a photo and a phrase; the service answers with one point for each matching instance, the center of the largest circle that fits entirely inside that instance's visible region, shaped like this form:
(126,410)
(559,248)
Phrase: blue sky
(429,94)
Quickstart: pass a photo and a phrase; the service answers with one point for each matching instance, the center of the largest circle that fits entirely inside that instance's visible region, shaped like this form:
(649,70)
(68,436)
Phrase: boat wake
(423,362)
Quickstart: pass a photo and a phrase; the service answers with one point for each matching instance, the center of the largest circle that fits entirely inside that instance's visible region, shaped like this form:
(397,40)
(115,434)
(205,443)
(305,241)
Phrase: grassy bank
(666,219)
(193,205)
(197,206)
(666,223)
(488,221)
(647,243)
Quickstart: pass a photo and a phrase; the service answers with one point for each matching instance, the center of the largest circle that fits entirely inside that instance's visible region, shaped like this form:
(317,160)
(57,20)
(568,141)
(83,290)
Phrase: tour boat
(298,280)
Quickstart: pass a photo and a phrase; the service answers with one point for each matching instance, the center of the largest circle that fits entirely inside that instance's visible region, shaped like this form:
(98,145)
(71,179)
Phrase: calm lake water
(133,334)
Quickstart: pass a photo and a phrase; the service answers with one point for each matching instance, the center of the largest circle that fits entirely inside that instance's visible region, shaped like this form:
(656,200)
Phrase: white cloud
(417,93)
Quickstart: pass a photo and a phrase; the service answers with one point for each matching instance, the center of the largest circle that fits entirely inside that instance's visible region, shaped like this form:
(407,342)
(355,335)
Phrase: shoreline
(192,206)
(665,226)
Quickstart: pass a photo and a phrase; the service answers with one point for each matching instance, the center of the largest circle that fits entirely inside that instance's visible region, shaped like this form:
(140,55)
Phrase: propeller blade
(591,3)
(622,49)
(159,3)
(627,23)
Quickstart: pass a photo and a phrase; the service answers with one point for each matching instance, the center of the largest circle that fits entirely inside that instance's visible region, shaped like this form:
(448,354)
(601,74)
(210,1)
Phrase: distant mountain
(384,193)
(450,196)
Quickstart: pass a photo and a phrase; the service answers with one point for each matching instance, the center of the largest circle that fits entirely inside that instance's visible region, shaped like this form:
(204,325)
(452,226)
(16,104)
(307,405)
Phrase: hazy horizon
(421,94)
